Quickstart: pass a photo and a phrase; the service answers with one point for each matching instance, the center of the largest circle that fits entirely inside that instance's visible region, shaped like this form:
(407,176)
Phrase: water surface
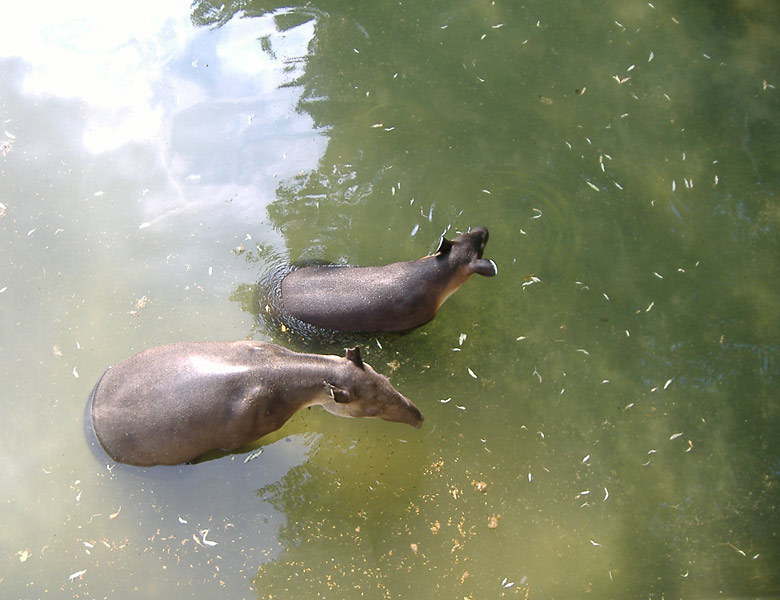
(615,386)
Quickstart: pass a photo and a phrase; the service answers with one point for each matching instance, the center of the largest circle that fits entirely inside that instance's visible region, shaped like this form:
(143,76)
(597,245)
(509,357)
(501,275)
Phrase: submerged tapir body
(171,404)
(393,297)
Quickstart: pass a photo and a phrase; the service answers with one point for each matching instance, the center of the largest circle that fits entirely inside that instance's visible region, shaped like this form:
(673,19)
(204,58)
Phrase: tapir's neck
(301,381)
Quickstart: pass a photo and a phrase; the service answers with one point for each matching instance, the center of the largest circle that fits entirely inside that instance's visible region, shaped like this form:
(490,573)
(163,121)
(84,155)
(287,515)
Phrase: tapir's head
(464,253)
(359,391)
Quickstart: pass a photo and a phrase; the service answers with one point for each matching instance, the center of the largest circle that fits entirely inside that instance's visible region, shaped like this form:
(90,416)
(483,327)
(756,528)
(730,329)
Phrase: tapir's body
(393,297)
(171,404)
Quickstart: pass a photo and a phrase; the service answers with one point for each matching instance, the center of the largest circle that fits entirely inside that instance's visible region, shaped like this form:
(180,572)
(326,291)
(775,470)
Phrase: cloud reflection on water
(214,109)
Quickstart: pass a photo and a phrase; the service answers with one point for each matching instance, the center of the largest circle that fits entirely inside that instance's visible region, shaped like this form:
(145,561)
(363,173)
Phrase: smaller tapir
(393,297)
(171,404)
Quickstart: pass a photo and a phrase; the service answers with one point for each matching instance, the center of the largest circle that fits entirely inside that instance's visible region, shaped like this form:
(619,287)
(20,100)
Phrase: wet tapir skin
(393,297)
(171,404)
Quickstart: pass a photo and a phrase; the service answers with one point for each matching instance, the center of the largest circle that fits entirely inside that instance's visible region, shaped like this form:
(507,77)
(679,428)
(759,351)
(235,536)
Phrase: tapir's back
(171,391)
(390,297)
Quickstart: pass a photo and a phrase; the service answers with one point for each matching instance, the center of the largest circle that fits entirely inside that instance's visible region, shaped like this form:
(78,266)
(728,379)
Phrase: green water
(622,410)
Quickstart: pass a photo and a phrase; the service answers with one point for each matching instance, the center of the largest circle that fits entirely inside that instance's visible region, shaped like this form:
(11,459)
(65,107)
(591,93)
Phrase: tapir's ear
(353,354)
(484,267)
(336,394)
(444,246)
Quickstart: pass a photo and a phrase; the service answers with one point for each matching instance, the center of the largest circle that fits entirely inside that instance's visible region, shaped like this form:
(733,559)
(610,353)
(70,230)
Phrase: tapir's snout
(417,423)
(407,413)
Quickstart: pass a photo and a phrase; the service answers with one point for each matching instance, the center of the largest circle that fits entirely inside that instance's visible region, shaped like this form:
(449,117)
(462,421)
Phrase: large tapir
(171,404)
(393,297)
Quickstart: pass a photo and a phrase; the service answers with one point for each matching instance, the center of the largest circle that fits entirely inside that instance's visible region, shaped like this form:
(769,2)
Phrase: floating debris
(606,494)
(595,543)
(76,575)
(472,373)
(203,534)
(253,455)
(530,280)
(445,400)
(480,486)
(674,436)
(668,382)
(493,521)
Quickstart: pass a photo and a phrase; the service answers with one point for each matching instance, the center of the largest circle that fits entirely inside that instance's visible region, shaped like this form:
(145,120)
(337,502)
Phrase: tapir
(171,404)
(393,297)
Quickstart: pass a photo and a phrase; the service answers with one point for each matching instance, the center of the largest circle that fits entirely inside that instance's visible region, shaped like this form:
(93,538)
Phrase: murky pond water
(601,417)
